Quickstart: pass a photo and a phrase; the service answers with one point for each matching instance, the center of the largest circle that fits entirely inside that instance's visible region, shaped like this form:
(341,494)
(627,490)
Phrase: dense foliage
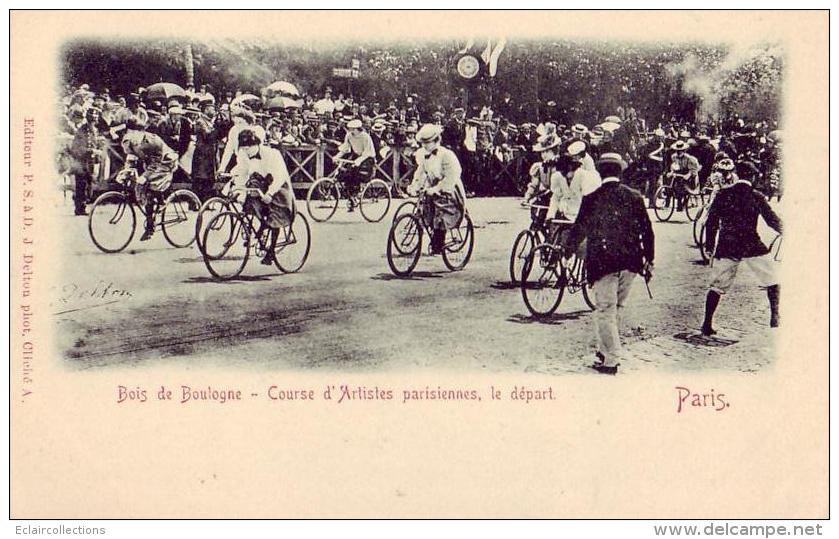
(563,80)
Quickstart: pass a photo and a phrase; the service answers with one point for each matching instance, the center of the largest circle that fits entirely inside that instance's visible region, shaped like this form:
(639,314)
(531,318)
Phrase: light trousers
(610,293)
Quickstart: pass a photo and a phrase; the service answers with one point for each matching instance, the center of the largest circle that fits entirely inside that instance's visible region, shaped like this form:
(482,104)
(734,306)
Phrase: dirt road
(345,311)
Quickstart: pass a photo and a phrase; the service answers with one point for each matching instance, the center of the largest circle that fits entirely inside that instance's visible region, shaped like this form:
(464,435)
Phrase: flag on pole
(493,57)
(487,52)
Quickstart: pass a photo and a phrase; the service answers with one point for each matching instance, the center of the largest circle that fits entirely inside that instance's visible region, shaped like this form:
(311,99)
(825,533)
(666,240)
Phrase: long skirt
(443,211)
(279,212)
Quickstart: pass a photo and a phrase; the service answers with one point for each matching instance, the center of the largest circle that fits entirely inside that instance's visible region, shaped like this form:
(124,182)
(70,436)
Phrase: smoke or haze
(711,80)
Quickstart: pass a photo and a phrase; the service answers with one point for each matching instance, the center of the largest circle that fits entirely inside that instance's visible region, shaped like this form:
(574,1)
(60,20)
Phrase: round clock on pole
(468,67)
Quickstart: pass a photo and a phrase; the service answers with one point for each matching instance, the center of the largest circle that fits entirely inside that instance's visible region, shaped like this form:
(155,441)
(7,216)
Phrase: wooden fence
(306,164)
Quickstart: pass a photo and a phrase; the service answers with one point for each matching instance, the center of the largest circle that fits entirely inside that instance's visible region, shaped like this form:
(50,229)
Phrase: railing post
(395,159)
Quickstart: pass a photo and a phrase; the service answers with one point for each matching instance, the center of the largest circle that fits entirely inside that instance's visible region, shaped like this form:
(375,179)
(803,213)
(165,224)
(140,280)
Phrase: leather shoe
(604,369)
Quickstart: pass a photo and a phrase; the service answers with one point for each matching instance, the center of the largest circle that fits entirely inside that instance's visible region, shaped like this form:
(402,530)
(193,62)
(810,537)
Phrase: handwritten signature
(73,297)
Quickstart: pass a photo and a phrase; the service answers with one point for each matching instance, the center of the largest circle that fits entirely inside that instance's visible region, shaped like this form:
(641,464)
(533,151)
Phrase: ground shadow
(552,319)
(242,278)
(698,339)
(415,276)
(504,285)
(189,260)
(699,262)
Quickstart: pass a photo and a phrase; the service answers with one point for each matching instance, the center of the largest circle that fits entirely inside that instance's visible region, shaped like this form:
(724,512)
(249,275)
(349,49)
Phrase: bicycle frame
(128,190)
(457,237)
(248,218)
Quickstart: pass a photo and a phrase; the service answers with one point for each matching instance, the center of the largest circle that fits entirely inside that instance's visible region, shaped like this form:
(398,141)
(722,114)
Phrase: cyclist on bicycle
(569,186)
(539,189)
(438,176)
(579,132)
(359,145)
(573,183)
(684,172)
(723,174)
(151,164)
(261,175)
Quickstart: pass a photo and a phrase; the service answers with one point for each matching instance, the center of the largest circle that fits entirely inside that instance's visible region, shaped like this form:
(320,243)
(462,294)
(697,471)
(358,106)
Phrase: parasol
(165,90)
(282,103)
(283,88)
(246,99)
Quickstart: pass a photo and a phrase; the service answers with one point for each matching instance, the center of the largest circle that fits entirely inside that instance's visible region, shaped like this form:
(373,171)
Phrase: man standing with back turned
(734,213)
(620,245)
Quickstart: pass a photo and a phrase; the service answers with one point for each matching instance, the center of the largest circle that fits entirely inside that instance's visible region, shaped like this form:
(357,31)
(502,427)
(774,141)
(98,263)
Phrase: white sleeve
(279,172)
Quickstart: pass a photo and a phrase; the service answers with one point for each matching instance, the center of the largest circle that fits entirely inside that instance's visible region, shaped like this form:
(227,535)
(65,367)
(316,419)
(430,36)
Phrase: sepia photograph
(419,264)
(378,205)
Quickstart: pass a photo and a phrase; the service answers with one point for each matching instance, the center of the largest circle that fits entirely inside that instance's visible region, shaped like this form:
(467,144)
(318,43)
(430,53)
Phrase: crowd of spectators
(495,152)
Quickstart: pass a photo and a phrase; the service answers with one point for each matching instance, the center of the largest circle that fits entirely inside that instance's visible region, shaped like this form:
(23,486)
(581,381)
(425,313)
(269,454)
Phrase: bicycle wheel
(698,223)
(693,206)
(179,217)
(458,248)
(112,222)
(226,245)
(522,246)
(542,284)
(209,209)
(403,209)
(663,205)
(706,256)
(582,279)
(292,249)
(404,243)
(322,199)
(374,201)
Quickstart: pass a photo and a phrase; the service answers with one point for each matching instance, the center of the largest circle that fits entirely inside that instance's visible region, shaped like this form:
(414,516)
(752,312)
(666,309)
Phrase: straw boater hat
(576,148)
(428,132)
(354,124)
(679,146)
(547,142)
(579,129)
(613,158)
(612,119)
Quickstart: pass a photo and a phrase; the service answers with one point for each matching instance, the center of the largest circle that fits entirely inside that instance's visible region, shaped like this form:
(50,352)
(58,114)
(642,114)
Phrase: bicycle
(525,241)
(228,241)
(666,198)
(323,196)
(211,207)
(404,243)
(113,219)
(543,289)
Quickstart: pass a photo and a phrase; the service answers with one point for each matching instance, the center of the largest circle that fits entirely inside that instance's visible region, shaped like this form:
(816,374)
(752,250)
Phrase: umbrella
(610,126)
(246,98)
(282,103)
(165,90)
(283,87)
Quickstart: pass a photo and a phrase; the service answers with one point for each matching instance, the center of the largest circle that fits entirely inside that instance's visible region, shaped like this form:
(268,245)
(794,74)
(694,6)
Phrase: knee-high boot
(711,302)
(774,293)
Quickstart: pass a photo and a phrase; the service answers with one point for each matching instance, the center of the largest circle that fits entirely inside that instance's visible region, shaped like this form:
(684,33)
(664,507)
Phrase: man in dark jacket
(734,213)
(620,245)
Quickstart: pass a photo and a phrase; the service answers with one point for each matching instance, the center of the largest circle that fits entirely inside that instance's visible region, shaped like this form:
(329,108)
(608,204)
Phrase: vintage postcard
(419,264)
